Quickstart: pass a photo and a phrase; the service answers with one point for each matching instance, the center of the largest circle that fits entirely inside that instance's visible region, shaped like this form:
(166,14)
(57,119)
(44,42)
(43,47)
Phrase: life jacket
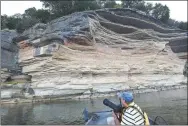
(144,114)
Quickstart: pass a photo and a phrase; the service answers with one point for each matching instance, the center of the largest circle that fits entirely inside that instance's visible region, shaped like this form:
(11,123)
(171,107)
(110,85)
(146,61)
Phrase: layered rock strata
(99,51)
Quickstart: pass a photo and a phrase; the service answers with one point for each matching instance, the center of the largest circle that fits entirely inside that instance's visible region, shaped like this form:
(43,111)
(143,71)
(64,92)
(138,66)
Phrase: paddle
(102,111)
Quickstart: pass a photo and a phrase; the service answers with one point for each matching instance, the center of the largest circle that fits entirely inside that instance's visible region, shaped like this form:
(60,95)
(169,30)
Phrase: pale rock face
(102,51)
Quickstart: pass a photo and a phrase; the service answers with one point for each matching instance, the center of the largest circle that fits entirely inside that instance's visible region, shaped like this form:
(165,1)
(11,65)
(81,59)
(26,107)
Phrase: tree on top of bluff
(55,9)
(158,11)
(183,25)
(30,17)
(161,12)
(109,4)
(61,8)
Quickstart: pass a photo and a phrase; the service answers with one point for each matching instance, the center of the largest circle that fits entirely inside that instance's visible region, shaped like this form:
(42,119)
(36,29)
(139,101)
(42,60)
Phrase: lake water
(171,105)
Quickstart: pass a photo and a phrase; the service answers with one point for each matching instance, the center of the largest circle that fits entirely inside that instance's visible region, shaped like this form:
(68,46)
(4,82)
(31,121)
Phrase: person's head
(126,98)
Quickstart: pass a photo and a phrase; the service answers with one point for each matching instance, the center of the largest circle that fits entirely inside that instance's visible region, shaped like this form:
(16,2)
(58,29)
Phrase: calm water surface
(171,105)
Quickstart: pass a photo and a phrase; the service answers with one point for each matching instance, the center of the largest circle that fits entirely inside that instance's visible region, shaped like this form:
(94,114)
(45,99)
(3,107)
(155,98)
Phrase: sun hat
(127,96)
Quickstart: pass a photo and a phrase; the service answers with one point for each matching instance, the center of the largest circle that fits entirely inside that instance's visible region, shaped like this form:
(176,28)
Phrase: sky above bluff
(178,9)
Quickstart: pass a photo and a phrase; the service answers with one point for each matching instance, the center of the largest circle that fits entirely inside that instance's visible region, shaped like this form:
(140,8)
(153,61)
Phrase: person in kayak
(131,113)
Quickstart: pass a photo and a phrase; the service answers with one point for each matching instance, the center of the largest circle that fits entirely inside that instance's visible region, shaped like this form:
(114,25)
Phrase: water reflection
(171,105)
(18,114)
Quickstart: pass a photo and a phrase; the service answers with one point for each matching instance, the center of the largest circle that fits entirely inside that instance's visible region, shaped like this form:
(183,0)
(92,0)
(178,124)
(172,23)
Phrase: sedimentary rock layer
(99,51)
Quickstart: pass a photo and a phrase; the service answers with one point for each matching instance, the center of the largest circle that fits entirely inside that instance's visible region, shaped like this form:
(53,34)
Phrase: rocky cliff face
(100,50)
(9,54)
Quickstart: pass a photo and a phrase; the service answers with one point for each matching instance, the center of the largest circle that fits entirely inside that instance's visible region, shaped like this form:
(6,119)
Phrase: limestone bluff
(96,51)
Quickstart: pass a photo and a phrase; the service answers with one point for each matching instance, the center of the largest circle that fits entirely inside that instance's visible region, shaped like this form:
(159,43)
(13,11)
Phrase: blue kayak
(100,118)
(106,118)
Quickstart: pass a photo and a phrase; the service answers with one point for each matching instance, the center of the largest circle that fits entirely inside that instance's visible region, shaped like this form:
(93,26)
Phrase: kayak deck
(100,118)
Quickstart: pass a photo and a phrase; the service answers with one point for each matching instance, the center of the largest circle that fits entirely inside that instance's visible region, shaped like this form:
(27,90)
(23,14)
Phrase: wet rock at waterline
(185,70)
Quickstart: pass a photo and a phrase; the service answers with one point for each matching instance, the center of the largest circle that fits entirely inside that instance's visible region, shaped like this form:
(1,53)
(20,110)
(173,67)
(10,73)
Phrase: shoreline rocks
(90,95)
(185,69)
